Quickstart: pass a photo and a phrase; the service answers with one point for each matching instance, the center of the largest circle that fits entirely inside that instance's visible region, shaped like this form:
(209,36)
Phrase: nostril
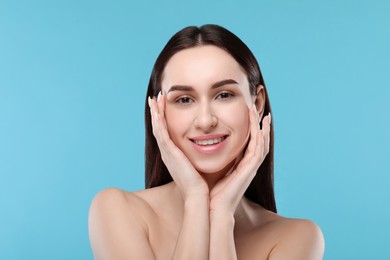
(205,122)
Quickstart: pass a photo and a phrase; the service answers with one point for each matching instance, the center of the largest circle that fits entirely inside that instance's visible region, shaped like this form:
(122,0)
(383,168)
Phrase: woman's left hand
(227,193)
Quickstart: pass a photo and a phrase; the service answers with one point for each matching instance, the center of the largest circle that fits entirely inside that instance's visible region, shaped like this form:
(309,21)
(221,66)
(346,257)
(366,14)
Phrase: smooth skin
(202,214)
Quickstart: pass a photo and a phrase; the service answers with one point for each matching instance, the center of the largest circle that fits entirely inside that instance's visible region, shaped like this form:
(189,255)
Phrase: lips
(209,143)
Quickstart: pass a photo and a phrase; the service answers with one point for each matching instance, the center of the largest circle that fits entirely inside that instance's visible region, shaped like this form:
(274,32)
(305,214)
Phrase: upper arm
(115,230)
(302,240)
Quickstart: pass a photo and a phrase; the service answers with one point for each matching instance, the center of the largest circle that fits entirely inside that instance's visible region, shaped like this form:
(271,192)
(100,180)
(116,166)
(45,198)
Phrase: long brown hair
(261,189)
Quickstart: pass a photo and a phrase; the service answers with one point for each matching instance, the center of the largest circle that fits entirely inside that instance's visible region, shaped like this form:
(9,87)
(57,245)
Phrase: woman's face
(207,105)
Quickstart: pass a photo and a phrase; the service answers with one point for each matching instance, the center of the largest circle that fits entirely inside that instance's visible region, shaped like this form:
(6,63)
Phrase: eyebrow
(217,84)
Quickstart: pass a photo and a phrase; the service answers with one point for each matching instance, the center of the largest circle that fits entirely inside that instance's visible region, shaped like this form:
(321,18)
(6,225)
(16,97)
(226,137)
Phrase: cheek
(177,123)
(238,117)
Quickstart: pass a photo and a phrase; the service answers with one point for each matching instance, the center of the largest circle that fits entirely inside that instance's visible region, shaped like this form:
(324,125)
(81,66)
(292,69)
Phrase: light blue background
(73,76)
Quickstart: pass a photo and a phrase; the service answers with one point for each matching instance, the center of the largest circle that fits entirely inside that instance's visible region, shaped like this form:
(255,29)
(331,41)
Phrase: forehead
(201,65)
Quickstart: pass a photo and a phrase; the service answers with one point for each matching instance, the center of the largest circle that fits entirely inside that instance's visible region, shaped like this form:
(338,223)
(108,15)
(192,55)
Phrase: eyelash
(185,100)
(229,95)
(181,100)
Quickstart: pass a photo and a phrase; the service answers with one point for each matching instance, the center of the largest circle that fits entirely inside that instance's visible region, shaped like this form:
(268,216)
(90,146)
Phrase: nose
(205,119)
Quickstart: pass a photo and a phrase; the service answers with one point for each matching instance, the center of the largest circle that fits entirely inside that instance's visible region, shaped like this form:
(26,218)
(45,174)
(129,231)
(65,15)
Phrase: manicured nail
(158,96)
(270,117)
(149,101)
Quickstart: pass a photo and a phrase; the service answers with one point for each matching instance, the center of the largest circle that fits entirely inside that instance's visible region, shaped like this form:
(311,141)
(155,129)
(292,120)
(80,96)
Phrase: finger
(160,131)
(157,124)
(266,133)
(161,108)
(260,146)
(162,101)
(159,99)
(256,152)
(180,168)
(257,149)
(164,135)
(263,140)
(254,127)
(246,163)
(153,116)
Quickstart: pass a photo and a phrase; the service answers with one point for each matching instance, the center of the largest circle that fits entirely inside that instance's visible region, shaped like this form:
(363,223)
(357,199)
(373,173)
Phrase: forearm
(193,241)
(222,237)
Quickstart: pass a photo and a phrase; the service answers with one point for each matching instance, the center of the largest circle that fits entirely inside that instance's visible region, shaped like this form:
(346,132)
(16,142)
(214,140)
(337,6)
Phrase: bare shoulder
(297,239)
(113,200)
(117,226)
(263,234)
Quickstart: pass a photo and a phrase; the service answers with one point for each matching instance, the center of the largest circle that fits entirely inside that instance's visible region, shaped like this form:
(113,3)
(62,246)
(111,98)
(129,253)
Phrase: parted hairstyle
(261,189)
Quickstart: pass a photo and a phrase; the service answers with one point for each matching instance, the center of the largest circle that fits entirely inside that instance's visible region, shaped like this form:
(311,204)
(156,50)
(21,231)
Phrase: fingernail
(159,95)
(270,118)
(149,101)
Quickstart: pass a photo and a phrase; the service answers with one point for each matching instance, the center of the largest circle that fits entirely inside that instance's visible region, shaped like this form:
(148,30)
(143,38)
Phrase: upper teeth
(208,142)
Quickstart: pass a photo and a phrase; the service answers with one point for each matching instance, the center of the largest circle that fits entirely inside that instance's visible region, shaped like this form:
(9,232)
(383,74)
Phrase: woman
(209,164)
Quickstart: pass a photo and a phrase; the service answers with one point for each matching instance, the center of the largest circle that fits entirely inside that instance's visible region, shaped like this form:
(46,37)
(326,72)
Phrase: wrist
(225,219)
(196,202)
(192,196)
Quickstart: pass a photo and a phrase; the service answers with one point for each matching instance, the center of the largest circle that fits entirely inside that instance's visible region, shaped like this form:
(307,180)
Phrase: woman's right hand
(188,180)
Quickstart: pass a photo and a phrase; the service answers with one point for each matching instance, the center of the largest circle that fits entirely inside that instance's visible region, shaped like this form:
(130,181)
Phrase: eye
(225,95)
(184,100)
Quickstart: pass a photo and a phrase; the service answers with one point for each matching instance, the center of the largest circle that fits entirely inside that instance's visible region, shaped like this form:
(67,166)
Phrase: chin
(213,169)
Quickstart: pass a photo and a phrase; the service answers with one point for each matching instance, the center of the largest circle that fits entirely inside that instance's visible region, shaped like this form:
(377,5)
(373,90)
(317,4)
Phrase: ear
(259,100)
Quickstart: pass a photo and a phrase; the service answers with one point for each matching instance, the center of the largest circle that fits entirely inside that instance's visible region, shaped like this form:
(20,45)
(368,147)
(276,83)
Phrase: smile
(209,142)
